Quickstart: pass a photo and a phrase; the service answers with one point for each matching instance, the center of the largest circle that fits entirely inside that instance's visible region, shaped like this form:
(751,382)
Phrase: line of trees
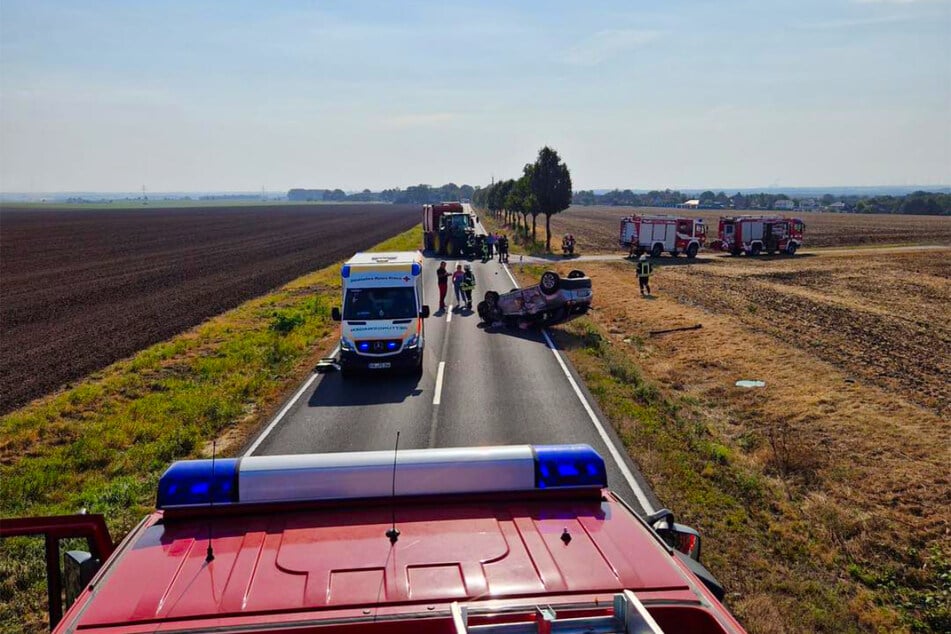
(544,188)
(415,194)
(919,202)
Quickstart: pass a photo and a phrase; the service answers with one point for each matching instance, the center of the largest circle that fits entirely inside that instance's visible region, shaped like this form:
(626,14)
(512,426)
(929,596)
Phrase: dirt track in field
(80,289)
(596,228)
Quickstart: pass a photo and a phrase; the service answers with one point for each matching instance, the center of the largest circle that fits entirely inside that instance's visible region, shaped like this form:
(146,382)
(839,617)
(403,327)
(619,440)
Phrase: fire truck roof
(547,538)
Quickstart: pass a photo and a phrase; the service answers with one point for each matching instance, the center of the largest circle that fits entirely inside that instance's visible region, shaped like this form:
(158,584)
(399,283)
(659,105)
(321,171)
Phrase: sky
(240,96)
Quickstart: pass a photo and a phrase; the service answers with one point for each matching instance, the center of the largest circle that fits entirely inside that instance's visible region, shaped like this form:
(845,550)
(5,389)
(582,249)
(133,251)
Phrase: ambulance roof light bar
(358,475)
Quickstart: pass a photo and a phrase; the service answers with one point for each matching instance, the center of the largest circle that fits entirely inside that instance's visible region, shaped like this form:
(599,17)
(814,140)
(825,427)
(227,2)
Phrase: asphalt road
(496,388)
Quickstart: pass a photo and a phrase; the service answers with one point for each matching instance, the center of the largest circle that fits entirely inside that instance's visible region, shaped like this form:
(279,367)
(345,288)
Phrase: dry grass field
(829,489)
(596,228)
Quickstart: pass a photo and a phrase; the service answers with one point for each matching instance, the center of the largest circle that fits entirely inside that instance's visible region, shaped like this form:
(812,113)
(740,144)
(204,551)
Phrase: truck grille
(379,346)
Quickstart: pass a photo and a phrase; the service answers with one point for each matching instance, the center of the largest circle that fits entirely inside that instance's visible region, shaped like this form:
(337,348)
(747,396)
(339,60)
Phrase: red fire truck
(757,234)
(656,234)
(488,539)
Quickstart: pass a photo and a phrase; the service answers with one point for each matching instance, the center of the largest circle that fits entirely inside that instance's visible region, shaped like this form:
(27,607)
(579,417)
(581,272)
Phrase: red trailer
(757,234)
(656,234)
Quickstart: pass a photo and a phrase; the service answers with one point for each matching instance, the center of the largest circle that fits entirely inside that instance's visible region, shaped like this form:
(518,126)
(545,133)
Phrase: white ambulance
(381,322)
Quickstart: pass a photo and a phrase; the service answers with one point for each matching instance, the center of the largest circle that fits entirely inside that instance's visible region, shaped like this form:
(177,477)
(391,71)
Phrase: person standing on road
(644,270)
(490,239)
(457,285)
(442,278)
(503,248)
(468,285)
(485,250)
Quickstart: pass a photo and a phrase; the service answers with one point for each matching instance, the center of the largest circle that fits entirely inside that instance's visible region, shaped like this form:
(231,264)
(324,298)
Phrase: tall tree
(551,184)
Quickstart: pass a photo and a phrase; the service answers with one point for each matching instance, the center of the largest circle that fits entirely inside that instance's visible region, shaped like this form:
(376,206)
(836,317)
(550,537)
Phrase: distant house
(690,204)
(808,204)
(837,207)
(786,205)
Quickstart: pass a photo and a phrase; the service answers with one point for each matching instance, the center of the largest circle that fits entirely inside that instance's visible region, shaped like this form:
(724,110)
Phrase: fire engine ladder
(630,617)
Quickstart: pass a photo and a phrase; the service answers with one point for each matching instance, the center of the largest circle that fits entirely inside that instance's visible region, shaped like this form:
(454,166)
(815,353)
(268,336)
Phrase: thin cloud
(608,43)
(426,119)
(851,23)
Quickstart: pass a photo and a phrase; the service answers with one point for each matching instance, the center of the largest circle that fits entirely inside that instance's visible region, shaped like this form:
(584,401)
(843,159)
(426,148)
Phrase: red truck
(483,539)
(448,229)
(758,234)
(657,234)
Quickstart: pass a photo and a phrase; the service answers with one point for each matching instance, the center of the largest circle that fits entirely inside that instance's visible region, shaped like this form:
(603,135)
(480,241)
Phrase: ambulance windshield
(380,303)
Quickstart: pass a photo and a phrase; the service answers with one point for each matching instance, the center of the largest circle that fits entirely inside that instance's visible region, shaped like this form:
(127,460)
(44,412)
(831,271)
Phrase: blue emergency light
(416,269)
(369,474)
(345,271)
(363,346)
(392,345)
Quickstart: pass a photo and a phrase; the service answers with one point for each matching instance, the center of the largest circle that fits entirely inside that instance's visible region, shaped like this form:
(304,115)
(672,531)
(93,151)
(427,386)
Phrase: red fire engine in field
(657,234)
(463,540)
(758,234)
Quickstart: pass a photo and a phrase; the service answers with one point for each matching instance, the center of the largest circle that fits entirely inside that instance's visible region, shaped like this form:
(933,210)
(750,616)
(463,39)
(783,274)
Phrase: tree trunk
(534,219)
(548,232)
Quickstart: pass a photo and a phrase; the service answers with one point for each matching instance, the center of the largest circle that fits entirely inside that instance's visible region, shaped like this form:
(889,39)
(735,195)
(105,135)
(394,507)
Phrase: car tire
(575,274)
(656,250)
(550,282)
(692,250)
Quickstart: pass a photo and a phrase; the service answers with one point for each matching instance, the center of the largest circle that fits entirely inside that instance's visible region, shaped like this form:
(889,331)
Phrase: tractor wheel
(451,248)
(791,248)
(550,282)
(692,250)
(656,250)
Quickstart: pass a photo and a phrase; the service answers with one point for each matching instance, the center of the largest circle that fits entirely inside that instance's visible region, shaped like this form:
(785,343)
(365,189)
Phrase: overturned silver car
(554,300)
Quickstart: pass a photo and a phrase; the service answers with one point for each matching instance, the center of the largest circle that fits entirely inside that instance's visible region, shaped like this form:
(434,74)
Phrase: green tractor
(457,236)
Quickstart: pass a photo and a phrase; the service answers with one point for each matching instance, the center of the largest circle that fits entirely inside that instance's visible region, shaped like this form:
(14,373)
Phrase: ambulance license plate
(378,366)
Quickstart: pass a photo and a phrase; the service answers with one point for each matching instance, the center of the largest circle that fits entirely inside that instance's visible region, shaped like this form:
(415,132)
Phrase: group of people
(463,282)
(495,243)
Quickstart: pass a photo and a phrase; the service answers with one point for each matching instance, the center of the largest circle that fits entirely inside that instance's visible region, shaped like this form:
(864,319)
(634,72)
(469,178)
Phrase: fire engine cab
(657,234)
(484,539)
(757,234)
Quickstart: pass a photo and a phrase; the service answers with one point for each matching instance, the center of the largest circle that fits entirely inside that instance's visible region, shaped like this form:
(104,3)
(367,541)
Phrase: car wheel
(575,274)
(791,248)
(657,250)
(550,282)
(692,250)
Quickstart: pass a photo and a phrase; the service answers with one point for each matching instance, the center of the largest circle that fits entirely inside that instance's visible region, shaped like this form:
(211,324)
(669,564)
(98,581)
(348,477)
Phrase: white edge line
(628,476)
(439,372)
(448,315)
(267,430)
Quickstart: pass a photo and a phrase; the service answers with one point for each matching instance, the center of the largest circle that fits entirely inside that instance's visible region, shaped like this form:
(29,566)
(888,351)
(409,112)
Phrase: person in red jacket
(442,277)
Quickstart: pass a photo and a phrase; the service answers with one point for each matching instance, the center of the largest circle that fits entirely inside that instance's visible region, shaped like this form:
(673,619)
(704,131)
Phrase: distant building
(690,204)
(808,204)
(786,205)
(837,207)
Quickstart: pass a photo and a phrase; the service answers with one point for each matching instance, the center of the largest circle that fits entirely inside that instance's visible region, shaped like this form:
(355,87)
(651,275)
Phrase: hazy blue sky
(240,95)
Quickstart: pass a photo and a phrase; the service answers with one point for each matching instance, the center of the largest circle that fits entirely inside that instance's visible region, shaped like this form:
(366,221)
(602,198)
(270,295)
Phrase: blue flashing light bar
(345,271)
(368,474)
(194,483)
(391,345)
(363,346)
(560,466)
(417,269)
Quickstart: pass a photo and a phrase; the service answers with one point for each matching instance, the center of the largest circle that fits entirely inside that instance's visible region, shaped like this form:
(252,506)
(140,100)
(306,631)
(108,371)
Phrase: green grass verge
(102,443)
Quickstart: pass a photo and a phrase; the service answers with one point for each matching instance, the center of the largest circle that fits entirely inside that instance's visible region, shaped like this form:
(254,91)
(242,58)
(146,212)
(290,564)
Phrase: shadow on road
(529,334)
(364,389)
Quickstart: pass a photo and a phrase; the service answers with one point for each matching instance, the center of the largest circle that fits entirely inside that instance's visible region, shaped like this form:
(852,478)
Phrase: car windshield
(380,303)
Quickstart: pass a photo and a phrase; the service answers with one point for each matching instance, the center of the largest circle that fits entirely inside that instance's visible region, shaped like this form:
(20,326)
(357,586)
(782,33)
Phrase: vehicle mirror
(335,313)
(79,567)
(424,313)
(683,538)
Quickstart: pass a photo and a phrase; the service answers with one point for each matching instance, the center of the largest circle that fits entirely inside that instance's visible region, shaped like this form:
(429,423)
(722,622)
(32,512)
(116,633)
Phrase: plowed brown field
(596,228)
(83,288)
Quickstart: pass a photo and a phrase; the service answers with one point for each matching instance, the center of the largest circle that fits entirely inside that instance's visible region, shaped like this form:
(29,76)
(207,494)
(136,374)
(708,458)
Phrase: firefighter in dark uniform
(468,285)
(644,270)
